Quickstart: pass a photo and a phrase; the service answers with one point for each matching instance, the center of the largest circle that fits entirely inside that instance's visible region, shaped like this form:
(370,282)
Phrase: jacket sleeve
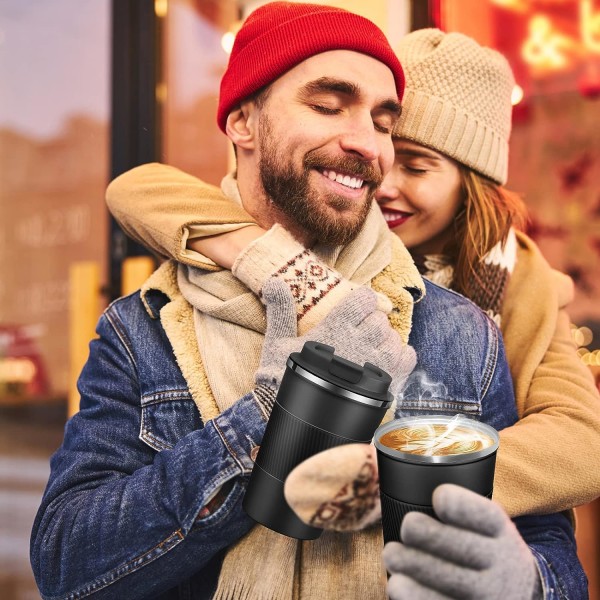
(552,543)
(156,204)
(119,519)
(554,446)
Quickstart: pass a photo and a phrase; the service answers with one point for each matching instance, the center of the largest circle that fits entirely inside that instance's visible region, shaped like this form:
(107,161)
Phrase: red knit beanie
(279,35)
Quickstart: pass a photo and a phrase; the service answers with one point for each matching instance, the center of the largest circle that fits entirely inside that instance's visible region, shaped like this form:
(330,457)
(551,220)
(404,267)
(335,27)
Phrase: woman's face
(420,197)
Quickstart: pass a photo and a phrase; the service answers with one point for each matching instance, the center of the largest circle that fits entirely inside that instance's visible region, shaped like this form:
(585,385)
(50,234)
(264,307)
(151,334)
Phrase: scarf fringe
(240,591)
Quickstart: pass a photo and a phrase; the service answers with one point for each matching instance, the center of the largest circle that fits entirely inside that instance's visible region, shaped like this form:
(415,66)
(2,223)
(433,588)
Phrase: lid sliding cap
(367,384)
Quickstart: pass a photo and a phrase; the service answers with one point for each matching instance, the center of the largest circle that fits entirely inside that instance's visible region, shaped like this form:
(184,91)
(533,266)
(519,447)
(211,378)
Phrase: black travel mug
(323,401)
(407,480)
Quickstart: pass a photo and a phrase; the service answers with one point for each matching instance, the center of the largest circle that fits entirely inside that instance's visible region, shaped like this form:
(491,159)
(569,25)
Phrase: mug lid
(367,384)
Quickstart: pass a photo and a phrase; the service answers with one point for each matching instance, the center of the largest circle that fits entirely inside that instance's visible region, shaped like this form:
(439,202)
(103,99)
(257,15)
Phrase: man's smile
(347,180)
(343,185)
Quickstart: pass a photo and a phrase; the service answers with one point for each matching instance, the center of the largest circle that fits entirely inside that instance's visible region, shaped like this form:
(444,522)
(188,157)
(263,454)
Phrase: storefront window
(54,157)
(54,111)
(194,61)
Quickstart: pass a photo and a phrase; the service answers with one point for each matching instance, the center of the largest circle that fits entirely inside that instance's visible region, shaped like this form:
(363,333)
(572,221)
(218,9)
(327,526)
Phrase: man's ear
(241,125)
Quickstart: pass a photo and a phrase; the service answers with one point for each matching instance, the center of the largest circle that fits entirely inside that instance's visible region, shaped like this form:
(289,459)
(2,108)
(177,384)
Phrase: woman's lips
(395,218)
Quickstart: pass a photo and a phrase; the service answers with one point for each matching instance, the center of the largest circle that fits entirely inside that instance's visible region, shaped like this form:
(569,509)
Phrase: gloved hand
(355,327)
(474,552)
(314,285)
(337,489)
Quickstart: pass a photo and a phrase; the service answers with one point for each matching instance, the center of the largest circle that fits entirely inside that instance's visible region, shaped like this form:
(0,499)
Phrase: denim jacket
(124,513)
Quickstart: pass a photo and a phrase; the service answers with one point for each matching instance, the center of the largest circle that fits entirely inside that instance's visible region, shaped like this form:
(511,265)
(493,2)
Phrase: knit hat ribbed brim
(279,35)
(457,99)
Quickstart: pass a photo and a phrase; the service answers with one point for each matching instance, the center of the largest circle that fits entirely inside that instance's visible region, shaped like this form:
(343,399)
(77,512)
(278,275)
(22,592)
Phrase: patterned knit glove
(337,489)
(314,285)
(474,552)
(356,328)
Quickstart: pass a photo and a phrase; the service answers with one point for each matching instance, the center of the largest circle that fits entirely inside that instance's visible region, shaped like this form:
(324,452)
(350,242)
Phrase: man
(144,499)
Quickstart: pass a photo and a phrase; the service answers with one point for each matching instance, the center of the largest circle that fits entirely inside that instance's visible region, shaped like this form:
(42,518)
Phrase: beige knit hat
(457,99)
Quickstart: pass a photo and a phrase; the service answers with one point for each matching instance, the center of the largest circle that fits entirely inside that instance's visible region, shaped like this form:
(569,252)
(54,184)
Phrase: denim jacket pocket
(418,407)
(423,396)
(168,416)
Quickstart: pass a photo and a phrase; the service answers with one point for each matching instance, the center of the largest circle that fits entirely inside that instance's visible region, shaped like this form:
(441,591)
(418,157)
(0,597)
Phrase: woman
(445,200)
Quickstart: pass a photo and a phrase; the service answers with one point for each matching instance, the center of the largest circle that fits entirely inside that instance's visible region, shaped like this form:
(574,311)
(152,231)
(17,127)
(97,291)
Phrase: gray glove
(474,552)
(356,328)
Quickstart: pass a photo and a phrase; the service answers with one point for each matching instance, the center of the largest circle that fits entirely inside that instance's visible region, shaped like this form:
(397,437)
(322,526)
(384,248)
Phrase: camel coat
(549,461)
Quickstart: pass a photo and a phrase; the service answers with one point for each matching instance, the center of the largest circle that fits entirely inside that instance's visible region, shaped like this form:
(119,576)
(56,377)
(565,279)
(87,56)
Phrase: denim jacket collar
(160,289)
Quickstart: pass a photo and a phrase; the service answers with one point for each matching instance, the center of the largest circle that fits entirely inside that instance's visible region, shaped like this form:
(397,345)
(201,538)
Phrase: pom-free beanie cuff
(443,126)
(457,99)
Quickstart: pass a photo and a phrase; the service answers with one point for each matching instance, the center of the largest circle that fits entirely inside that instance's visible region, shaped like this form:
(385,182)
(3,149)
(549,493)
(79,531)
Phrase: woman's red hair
(488,213)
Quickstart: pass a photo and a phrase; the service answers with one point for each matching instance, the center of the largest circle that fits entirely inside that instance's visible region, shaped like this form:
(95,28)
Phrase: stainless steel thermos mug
(324,401)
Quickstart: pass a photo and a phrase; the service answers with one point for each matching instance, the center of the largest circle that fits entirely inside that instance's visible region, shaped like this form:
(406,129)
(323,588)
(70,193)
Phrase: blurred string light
(229,36)
(583,337)
(517,95)
(548,47)
(160,8)
(17,370)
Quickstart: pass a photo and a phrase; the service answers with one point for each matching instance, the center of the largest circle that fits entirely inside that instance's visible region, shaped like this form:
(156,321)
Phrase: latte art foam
(436,440)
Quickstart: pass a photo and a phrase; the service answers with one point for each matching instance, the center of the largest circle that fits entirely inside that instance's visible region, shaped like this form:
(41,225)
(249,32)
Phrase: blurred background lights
(227,41)
(17,370)
(583,337)
(160,8)
(229,36)
(517,95)
(516,5)
(545,48)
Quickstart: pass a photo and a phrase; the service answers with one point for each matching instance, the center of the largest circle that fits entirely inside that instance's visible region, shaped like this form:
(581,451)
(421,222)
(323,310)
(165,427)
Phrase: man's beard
(326,217)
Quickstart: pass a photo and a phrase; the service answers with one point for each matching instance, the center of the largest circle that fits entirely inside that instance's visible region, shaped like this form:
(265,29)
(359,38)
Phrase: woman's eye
(325,110)
(414,170)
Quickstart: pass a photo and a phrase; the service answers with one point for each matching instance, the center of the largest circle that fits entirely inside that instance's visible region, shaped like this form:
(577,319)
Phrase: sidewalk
(28,437)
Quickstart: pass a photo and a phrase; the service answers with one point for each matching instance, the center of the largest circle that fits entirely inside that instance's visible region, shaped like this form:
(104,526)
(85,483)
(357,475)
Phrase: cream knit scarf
(494,272)
(230,324)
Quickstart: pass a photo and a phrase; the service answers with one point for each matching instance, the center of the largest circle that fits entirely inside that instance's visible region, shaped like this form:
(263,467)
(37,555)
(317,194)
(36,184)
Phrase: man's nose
(361,139)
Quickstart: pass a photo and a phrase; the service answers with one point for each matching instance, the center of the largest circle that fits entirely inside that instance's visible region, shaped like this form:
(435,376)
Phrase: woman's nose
(388,190)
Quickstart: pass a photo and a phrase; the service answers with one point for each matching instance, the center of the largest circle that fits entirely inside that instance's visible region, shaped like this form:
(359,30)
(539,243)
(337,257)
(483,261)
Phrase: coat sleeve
(549,460)
(156,204)
(119,519)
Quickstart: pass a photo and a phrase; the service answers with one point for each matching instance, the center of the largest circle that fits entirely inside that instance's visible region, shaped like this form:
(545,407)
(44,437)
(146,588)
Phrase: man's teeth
(353,182)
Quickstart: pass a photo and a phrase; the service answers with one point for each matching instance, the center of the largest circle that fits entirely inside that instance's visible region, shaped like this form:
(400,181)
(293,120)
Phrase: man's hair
(259,98)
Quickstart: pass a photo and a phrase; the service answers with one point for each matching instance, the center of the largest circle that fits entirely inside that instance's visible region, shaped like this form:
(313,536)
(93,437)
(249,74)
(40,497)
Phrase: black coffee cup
(408,477)
(323,401)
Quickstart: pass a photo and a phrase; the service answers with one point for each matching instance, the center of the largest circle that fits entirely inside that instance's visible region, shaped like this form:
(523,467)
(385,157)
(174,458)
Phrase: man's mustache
(316,159)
